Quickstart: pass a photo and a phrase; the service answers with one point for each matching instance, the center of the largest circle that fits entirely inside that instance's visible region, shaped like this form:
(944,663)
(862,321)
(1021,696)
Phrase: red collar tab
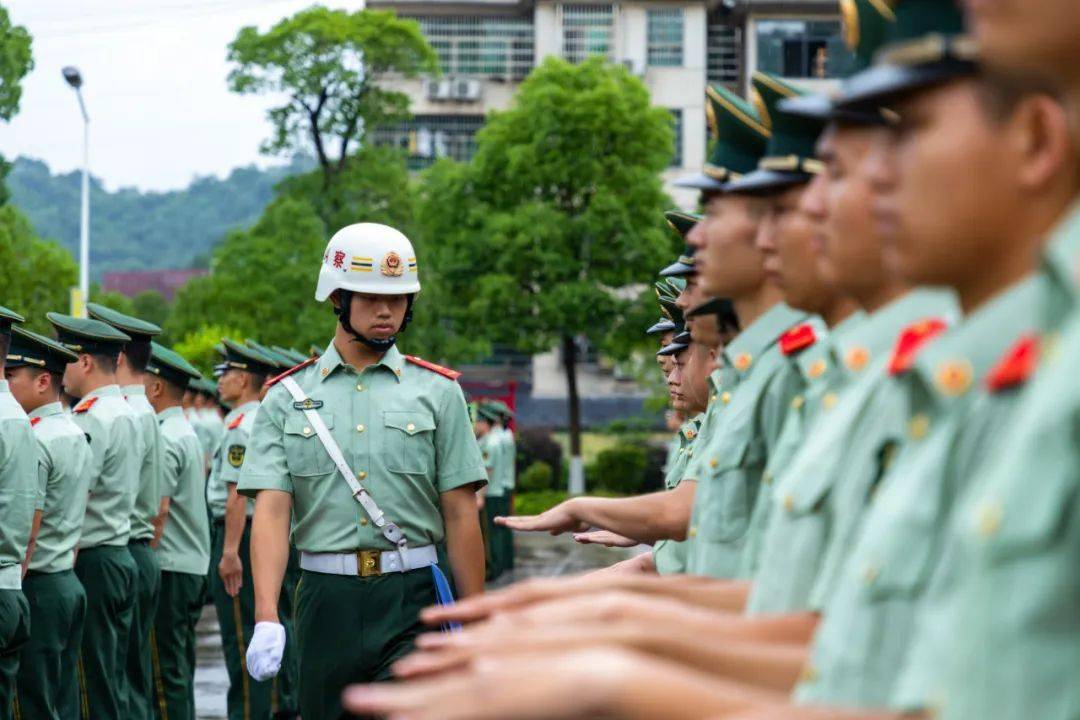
(911,341)
(1016,365)
(797,338)
(290,371)
(34,421)
(85,405)
(445,372)
(236,421)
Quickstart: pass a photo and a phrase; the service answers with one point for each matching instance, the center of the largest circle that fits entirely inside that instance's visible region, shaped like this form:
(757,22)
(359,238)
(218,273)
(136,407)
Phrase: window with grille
(802,48)
(724,48)
(676,160)
(587,31)
(665,37)
(499,47)
(426,138)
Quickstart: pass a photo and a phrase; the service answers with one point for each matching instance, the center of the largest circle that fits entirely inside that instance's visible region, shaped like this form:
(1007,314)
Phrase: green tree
(111,299)
(16,60)
(326,64)
(150,305)
(35,275)
(539,240)
(197,347)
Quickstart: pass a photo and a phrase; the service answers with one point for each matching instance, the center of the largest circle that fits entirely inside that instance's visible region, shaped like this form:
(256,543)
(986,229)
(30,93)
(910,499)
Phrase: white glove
(265,650)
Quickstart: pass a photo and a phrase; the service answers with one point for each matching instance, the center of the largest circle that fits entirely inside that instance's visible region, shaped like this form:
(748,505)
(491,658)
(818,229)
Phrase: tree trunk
(577,468)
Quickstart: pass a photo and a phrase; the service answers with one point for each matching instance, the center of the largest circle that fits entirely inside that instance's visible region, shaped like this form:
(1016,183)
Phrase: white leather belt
(11,577)
(367,563)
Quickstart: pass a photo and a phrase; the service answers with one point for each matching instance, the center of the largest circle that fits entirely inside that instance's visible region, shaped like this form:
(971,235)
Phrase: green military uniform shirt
(729,468)
(954,423)
(403,429)
(232,449)
(185,543)
(817,373)
(18,487)
(1013,631)
(669,556)
(217,494)
(823,491)
(508,447)
(491,452)
(148,497)
(113,431)
(64,461)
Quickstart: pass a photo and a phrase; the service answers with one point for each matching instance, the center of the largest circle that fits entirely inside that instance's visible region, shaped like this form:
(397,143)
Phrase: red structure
(166,282)
(504,391)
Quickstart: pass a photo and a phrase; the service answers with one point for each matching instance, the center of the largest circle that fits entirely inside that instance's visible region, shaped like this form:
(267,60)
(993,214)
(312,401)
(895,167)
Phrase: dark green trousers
(14,634)
(246,698)
(47,663)
(172,645)
(500,540)
(351,629)
(147,586)
(107,574)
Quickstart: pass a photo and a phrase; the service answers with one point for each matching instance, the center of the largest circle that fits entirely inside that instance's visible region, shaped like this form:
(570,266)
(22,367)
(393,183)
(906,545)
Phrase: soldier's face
(230,387)
(675,381)
(1039,36)
(378,317)
(731,264)
(695,387)
(842,199)
(75,375)
(949,191)
(784,238)
(22,382)
(691,296)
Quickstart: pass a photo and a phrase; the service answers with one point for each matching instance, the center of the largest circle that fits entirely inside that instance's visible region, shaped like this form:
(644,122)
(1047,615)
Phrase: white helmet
(368,258)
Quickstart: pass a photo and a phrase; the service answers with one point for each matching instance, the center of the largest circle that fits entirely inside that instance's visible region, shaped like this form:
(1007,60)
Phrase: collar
(47,410)
(112,390)
(743,352)
(963,355)
(330,361)
(249,407)
(1061,258)
(171,412)
(689,431)
(4,386)
(133,390)
(870,340)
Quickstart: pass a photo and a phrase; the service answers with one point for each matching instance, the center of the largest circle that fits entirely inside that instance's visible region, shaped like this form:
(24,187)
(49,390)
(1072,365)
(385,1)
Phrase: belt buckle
(367,563)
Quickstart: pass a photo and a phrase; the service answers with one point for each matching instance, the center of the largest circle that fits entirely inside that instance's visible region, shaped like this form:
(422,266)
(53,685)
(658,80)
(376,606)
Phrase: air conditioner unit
(438,89)
(467,90)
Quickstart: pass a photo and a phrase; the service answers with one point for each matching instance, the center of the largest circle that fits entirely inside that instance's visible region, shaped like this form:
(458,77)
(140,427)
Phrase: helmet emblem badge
(391,265)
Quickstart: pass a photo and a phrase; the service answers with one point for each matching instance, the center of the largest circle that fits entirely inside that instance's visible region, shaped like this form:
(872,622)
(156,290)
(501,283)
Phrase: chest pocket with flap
(409,441)
(304,452)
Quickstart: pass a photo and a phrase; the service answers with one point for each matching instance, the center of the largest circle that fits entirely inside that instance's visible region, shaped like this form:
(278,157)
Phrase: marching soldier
(373,453)
(491,496)
(104,564)
(502,539)
(47,679)
(18,479)
(146,518)
(184,547)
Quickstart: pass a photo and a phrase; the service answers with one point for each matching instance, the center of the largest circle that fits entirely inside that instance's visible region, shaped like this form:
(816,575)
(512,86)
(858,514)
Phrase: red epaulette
(85,405)
(445,372)
(236,421)
(911,341)
(290,371)
(1015,366)
(34,421)
(797,338)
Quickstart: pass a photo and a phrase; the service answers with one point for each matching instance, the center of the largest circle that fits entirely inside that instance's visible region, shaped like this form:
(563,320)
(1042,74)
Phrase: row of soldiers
(871,510)
(120,515)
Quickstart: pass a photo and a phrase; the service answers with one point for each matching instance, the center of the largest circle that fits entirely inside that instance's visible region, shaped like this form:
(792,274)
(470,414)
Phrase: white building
(486,47)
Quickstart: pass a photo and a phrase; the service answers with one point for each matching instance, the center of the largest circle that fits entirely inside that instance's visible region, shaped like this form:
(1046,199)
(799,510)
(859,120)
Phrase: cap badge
(391,265)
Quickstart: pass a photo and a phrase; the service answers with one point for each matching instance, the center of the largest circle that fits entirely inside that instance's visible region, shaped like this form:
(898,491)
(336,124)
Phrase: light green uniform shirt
(18,487)
(729,469)
(185,543)
(869,618)
(1012,610)
(64,462)
(403,429)
(508,447)
(669,556)
(491,452)
(117,450)
(232,449)
(823,490)
(148,498)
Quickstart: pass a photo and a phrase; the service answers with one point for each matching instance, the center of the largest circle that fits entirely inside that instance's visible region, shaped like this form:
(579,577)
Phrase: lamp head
(71,74)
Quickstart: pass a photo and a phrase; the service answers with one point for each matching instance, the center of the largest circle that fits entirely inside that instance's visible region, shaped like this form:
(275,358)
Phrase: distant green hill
(134,230)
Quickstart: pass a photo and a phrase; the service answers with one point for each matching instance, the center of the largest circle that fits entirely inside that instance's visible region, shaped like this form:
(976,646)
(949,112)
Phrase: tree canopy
(36,275)
(16,60)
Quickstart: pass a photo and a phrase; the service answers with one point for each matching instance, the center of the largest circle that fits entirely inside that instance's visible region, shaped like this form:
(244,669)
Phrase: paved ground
(537,555)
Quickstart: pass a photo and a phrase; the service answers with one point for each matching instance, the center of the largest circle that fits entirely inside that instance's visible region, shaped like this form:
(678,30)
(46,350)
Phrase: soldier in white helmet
(373,453)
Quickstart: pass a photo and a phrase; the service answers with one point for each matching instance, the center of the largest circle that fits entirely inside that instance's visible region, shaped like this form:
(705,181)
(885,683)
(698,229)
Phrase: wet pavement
(537,555)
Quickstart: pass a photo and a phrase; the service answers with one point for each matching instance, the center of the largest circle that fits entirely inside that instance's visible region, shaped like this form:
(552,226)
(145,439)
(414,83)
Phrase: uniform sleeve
(265,467)
(45,466)
(172,463)
(234,450)
(156,453)
(486,455)
(458,460)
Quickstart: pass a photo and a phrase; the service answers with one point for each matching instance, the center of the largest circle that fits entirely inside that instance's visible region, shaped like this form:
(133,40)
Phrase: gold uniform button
(990,514)
(714,463)
(829,401)
(364,521)
(398,372)
(918,426)
(307,431)
(410,427)
(789,502)
(817,368)
(324,372)
(797,402)
(359,386)
(712,398)
(870,574)
(359,428)
(692,532)
(725,398)
(362,474)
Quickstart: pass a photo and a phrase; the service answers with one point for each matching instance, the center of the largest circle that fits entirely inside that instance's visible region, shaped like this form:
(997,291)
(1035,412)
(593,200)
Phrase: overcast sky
(154,71)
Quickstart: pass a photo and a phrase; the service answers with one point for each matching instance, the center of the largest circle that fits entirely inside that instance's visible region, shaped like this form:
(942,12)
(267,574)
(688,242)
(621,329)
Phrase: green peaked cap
(681,222)
(867,25)
(739,140)
(242,357)
(169,365)
(9,316)
(925,46)
(206,386)
(30,349)
(281,361)
(789,158)
(86,335)
(295,356)
(139,330)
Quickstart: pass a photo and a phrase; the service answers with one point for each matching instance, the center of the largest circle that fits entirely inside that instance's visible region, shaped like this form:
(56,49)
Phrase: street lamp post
(74,79)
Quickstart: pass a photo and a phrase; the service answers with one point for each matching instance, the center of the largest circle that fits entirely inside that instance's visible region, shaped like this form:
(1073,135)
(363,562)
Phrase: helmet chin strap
(381,346)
